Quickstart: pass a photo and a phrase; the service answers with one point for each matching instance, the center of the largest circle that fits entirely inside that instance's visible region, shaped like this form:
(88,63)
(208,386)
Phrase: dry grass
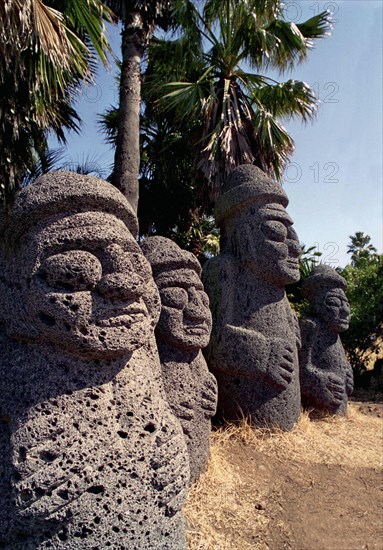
(215,509)
(353,441)
(218,508)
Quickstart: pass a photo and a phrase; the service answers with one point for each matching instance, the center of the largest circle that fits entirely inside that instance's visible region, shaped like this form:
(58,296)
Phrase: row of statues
(106,399)
(93,454)
(262,359)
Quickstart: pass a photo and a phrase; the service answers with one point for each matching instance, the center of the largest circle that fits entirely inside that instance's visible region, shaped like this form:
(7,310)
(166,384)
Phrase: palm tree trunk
(127,155)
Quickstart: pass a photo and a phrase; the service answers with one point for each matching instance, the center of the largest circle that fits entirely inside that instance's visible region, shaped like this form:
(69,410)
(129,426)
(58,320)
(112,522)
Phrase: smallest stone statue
(183,329)
(325,374)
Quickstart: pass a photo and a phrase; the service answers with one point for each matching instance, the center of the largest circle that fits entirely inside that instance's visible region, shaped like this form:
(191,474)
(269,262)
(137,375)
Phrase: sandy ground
(318,487)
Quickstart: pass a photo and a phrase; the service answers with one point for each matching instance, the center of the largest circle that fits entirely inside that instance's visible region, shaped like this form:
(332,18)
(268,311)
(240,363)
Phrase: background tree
(308,260)
(47,50)
(184,91)
(363,340)
(170,204)
(238,109)
(139,19)
(365,293)
(360,247)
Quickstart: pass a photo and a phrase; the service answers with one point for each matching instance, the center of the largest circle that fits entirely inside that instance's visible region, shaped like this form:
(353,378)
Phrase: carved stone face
(90,291)
(269,244)
(334,309)
(185,320)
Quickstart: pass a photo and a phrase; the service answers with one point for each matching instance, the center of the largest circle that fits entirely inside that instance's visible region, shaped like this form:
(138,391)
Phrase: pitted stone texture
(92,455)
(183,329)
(326,375)
(253,350)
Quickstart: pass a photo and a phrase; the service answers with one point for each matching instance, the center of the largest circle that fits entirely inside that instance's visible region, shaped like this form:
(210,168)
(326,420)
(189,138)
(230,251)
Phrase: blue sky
(334,181)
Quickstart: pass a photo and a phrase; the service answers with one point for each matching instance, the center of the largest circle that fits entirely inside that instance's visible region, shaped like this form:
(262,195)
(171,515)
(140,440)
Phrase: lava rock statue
(326,375)
(253,350)
(91,453)
(183,329)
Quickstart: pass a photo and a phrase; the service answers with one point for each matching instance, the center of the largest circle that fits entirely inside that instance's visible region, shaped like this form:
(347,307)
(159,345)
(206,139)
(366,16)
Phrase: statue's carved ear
(12,309)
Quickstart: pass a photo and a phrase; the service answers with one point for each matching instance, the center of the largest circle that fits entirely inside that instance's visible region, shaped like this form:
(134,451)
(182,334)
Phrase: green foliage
(308,260)
(167,203)
(202,238)
(47,50)
(360,248)
(365,294)
(238,111)
(205,113)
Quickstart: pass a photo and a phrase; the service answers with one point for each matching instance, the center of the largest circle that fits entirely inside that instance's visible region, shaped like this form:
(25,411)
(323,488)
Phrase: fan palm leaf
(240,111)
(47,49)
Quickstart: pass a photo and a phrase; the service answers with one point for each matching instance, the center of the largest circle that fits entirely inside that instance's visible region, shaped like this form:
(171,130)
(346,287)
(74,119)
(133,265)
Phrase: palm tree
(47,49)
(139,19)
(239,109)
(360,247)
(191,121)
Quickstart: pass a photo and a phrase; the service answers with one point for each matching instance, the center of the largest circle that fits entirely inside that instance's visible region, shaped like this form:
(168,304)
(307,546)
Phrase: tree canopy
(365,293)
(213,73)
(208,106)
(360,248)
(47,50)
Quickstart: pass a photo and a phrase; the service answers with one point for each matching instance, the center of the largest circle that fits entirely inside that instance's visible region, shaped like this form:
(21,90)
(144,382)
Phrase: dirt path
(309,506)
(367,402)
(318,488)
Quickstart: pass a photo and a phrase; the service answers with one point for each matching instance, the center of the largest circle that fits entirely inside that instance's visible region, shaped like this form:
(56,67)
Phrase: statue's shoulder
(220,268)
(309,327)
(309,322)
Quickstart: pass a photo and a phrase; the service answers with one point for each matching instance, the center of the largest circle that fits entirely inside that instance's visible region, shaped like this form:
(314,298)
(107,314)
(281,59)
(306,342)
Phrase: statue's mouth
(293,262)
(197,329)
(126,316)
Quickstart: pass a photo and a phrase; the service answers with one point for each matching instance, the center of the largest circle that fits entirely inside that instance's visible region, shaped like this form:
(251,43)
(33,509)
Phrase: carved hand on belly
(209,396)
(334,388)
(280,367)
(349,380)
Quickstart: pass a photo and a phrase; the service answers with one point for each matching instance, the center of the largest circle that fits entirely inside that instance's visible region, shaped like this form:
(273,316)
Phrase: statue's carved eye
(72,270)
(275,231)
(174,297)
(333,302)
(204,299)
(141,265)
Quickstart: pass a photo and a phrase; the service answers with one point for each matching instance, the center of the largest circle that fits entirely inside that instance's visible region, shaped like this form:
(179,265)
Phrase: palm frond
(287,99)
(274,145)
(108,124)
(44,162)
(47,25)
(43,60)
(186,98)
(88,16)
(318,26)
(291,44)
(88,165)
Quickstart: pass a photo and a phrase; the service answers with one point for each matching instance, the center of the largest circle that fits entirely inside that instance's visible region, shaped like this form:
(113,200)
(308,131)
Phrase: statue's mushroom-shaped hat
(245,186)
(321,278)
(165,255)
(64,192)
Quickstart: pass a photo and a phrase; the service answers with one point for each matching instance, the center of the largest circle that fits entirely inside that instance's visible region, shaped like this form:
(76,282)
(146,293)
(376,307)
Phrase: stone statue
(91,454)
(183,329)
(253,350)
(326,375)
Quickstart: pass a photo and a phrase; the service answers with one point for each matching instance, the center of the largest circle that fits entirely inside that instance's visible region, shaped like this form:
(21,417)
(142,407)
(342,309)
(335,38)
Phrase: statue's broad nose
(195,307)
(293,243)
(121,286)
(346,308)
